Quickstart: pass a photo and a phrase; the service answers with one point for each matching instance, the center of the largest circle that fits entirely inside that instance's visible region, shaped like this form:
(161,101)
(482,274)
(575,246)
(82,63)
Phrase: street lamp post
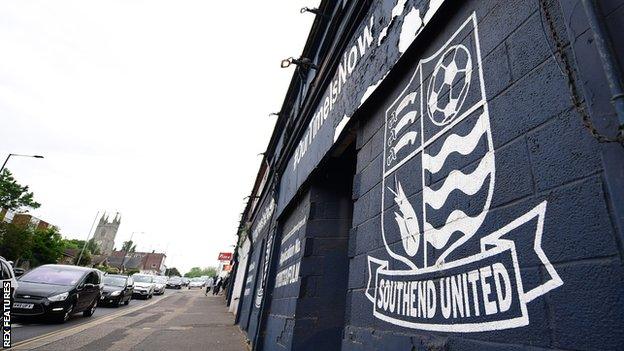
(8,157)
(88,235)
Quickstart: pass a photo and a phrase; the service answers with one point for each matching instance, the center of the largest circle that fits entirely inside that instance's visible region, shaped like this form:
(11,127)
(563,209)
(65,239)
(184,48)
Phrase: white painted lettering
(490,306)
(504,302)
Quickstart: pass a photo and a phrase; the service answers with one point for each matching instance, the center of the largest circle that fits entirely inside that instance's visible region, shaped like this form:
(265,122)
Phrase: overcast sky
(155,109)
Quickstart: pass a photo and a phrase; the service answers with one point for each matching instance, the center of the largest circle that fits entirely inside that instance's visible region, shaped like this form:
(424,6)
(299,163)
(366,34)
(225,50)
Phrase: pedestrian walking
(209,282)
(217,286)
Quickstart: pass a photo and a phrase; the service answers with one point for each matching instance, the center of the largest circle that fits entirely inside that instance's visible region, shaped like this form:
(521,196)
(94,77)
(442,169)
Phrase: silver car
(160,282)
(144,286)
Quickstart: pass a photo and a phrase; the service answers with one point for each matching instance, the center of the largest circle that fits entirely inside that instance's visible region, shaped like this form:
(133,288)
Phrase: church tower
(105,233)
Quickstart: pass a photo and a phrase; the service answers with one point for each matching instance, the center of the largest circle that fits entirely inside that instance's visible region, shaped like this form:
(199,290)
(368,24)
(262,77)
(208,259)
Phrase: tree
(14,196)
(47,246)
(93,247)
(15,241)
(128,246)
(77,244)
(172,272)
(209,271)
(198,272)
(194,272)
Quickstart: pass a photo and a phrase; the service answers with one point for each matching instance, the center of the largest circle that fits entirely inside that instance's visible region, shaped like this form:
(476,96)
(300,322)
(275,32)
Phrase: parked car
(160,282)
(185,281)
(196,283)
(143,285)
(57,291)
(118,289)
(174,283)
(101,274)
(7,274)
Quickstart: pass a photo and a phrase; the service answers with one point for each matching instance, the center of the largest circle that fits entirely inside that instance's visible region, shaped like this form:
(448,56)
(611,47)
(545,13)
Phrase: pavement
(179,320)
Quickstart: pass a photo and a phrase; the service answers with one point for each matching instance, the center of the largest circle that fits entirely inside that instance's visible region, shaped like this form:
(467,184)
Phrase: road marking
(50,337)
(179,328)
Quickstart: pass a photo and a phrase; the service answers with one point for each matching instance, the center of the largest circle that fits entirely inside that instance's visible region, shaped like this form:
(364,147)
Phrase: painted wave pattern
(469,184)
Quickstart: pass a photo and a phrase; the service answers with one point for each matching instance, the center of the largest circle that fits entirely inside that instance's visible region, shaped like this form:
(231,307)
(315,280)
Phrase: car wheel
(65,317)
(127,302)
(89,312)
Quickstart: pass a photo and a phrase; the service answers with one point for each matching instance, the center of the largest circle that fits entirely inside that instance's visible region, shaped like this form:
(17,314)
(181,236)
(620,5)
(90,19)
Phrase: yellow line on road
(42,338)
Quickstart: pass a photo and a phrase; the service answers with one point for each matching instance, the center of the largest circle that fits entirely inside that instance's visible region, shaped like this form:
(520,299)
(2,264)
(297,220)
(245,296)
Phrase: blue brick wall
(543,153)
(305,310)
(281,319)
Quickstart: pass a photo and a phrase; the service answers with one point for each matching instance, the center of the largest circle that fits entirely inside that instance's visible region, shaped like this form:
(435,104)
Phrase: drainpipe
(607,56)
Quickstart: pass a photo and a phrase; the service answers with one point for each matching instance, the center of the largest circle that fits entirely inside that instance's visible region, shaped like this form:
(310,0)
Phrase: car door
(88,291)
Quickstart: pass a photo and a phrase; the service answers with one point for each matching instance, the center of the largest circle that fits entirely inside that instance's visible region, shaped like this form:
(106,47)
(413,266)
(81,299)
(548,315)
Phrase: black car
(118,289)
(57,292)
(174,283)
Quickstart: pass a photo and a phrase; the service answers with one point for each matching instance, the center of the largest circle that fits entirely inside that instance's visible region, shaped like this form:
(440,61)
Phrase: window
(54,275)
(92,278)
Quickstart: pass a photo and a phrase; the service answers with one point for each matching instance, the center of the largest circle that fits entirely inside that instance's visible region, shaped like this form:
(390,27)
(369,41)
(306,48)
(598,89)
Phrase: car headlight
(59,297)
(115,293)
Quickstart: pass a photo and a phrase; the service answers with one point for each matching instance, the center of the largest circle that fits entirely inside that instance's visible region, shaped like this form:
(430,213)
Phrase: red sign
(225,256)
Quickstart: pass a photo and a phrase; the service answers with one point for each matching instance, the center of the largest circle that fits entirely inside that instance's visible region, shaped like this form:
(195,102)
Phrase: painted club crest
(439,176)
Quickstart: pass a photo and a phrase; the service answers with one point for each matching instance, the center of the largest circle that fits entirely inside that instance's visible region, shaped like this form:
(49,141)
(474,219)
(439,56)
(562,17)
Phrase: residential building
(23,219)
(145,262)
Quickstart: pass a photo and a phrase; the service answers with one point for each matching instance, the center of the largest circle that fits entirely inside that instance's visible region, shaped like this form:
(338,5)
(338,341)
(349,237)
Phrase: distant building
(145,262)
(105,233)
(23,219)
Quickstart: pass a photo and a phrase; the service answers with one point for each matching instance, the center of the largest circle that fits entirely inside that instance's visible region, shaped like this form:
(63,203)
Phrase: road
(181,319)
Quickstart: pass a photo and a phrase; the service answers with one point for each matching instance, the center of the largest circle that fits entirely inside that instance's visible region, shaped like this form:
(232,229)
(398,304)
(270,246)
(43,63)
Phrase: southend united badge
(439,175)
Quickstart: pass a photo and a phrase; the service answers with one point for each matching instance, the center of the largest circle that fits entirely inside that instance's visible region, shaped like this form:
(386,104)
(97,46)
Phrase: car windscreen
(160,280)
(53,276)
(143,278)
(115,281)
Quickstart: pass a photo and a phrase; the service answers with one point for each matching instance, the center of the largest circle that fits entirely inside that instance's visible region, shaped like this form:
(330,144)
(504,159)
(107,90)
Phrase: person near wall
(209,282)
(217,286)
